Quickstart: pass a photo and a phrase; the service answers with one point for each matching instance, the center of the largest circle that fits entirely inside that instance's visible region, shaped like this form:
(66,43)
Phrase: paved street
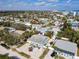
(10,52)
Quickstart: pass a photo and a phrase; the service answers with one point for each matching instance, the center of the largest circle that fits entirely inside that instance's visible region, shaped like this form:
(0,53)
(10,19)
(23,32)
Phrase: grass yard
(61,57)
(44,53)
(5,57)
(22,53)
(78,52)
(18,46)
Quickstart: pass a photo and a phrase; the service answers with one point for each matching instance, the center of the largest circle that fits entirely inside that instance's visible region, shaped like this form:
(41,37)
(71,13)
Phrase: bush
(49,34)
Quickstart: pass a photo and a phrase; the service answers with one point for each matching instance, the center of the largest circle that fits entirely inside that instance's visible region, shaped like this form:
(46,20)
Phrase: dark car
(54,54)
(4,45)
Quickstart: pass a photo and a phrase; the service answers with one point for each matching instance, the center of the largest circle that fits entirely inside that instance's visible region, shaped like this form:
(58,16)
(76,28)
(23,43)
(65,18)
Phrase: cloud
(38,4)
(53,0)
(23,3)
(68,1)
(51,4)
(42,3)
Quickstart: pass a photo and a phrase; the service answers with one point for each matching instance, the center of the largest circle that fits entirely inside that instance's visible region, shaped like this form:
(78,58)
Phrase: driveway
(34,54)
(48,56)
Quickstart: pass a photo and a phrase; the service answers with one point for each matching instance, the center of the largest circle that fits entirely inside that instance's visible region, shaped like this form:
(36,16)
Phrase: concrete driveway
(34,54)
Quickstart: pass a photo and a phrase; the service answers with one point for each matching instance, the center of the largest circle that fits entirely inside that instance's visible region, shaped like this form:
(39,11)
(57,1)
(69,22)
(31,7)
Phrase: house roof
(75,23)
(43,30)
(66,46)
(19,32)
(40,39)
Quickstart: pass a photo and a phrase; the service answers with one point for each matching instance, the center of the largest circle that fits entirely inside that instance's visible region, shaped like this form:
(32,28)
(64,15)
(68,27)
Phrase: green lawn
(61,57)
(78,52)
(4,57)
(18,46)
(22,53)
(44,53)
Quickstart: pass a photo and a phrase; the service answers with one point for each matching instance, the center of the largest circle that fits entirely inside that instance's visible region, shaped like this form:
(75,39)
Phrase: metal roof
(40,39)
(66,46)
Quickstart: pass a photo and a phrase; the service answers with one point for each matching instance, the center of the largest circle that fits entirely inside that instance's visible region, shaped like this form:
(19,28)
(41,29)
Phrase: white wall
(65,55)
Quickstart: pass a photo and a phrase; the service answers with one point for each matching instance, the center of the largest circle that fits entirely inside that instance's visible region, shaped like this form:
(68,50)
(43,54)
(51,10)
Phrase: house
(44,20)
(10,29)
(14,32)
(38,40)
(1,20)
(17,33)
(27,24)
(42,30)
(70,20)
(17,20)
(75,25)
(39,28)
(66,49)
(36,26)
(65,13)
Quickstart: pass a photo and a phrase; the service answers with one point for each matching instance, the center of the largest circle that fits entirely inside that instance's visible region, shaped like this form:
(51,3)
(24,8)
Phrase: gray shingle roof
(40,39)
(66,46)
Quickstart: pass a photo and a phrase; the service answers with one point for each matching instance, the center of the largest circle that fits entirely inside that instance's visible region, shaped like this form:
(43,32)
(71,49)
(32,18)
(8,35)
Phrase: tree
(28,34)
(49,34)
(71,34)
(7,57)
(77,17)
(8,38)
(1,33)
(19,26)
(8,23)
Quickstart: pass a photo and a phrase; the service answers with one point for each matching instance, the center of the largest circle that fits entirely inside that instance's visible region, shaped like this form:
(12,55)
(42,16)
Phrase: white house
(75,25)
(44,20)
(38,40)
(1,20)
(10,29)
(66,49)
(27,23)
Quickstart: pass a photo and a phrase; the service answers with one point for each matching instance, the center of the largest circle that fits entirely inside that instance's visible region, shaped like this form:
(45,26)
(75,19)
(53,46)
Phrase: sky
(39,4)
